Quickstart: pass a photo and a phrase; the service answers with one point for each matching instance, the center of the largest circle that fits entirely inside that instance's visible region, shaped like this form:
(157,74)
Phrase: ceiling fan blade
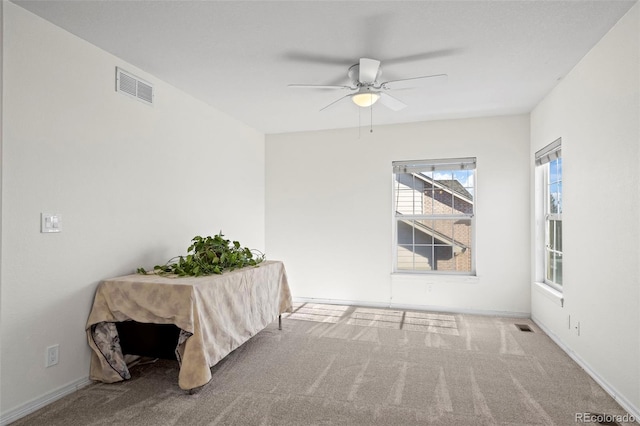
(422,56)
(407,83)
(318,86)
(391,102)
(335,102)
(368,70)
(317,59)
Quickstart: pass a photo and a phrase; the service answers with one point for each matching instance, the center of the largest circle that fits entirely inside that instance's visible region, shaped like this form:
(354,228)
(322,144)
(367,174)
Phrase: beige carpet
(340,365)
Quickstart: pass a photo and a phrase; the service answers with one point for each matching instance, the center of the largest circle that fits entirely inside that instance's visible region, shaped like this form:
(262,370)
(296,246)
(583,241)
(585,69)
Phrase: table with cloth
(215,315)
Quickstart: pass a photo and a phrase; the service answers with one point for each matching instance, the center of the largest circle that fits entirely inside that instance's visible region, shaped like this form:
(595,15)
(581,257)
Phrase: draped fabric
(216,314)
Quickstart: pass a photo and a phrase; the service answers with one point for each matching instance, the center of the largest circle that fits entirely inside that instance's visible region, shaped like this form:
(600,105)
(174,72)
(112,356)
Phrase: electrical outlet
(51,355)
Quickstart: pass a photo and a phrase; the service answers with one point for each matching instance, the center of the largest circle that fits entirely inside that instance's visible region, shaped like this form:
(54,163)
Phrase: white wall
(133,183)
(596,111)
(1,155)
(329,213)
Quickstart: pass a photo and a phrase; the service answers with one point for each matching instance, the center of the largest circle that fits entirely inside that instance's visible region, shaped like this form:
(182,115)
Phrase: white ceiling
(501,57)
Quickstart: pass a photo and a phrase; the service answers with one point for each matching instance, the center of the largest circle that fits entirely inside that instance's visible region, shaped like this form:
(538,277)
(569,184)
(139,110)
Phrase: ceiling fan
(365,90)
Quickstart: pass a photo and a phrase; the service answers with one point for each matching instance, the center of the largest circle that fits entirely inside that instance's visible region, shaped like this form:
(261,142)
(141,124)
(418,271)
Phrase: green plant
(207,256)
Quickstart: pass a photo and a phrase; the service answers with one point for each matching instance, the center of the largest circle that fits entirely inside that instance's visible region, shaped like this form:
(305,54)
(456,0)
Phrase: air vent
(524,327)
(131,85)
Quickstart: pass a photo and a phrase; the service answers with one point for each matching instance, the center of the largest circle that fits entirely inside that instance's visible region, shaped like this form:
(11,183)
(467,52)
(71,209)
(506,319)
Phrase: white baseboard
(443,309)
(624,403)
(46,399)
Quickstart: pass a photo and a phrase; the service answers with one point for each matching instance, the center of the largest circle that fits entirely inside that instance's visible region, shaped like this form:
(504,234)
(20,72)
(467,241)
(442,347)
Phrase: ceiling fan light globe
(365,99)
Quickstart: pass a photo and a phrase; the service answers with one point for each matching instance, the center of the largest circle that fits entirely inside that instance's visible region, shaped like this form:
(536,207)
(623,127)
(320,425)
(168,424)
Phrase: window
(434,206)
(550,160)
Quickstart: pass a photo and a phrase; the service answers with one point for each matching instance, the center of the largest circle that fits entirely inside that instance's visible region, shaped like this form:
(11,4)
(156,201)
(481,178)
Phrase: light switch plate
(50,223)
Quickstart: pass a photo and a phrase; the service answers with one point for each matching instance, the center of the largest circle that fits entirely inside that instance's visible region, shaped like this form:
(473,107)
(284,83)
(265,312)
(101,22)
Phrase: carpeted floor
(341,365)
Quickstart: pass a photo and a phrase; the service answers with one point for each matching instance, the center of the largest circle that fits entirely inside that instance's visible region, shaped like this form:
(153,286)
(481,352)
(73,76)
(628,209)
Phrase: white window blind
(549,152)
(468,163)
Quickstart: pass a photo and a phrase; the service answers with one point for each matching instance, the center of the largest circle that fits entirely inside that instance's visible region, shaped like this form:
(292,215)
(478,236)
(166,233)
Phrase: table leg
(279,322)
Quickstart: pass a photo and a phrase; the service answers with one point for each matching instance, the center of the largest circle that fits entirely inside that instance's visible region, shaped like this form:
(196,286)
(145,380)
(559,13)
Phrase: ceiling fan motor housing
(354,76)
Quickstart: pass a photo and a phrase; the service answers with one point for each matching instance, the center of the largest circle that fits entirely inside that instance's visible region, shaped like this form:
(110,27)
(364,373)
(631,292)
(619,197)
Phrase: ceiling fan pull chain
(371,123)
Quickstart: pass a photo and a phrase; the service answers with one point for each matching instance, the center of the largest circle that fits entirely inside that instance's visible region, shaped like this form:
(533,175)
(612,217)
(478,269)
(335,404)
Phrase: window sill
(434,278)
(550,293)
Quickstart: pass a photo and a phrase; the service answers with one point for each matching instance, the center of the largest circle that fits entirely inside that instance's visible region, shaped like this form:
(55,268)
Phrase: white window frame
(543,160)
(451,164)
